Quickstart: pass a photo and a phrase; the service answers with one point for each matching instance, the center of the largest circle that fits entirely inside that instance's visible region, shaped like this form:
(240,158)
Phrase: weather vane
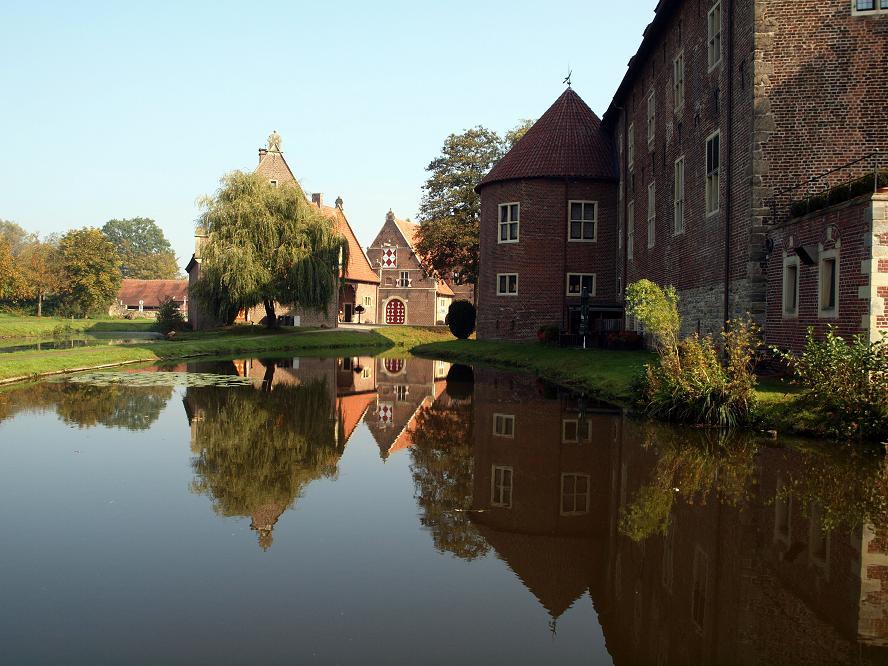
(567,78)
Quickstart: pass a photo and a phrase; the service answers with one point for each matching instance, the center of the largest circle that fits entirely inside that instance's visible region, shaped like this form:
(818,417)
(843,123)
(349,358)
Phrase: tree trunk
(270,317)
(268,379)
(40,304)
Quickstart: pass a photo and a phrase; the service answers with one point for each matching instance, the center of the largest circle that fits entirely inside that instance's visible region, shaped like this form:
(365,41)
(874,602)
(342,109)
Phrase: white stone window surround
(501,486)
(712,172)
(578,279)
(678,82)
(505,286)
(508,225)
(583,220)
(869,7)
(678,196)
(504,425)
(652,215)
(824,309)
(713,36)
(790,290)
(651,118)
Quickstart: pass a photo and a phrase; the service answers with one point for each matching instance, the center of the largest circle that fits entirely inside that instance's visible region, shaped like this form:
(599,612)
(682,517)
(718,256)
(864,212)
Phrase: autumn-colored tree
(144,251)
(10,279)
(14,235)
(91,271)
(40,269)
(267,245)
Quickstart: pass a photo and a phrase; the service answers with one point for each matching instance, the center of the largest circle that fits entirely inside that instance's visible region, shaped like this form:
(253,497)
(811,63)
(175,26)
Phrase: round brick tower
(549,228)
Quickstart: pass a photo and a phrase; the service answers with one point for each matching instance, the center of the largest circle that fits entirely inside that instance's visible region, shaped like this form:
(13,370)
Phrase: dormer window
(273,182)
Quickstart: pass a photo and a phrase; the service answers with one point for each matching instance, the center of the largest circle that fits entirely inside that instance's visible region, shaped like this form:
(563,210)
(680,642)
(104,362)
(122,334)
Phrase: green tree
(144,250)
(14,235)
(517,132)
(40,269)
(91,271)
(267,245)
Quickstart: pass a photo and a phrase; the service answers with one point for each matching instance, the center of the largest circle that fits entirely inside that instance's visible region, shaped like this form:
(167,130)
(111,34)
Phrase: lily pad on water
(186,379)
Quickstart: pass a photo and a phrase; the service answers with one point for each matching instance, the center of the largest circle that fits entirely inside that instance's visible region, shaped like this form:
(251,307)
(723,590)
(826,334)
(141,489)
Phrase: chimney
(317,199)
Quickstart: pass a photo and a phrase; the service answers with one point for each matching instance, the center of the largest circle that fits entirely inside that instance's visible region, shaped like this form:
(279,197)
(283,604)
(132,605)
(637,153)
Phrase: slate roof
(566,142)
(152,292)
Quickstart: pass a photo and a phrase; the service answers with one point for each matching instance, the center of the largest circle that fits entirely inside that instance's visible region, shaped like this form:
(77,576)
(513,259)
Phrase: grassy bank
(46,327)
(241,340)
(608,374)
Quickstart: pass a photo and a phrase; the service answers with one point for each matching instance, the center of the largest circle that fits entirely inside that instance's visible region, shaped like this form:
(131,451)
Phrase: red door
(394,312)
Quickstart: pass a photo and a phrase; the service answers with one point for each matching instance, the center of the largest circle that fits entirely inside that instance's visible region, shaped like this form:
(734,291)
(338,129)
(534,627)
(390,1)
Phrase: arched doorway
(346,303)
(394,312)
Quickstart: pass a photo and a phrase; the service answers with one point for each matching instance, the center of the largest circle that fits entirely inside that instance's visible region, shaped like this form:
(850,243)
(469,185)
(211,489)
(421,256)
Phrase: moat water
(405,511)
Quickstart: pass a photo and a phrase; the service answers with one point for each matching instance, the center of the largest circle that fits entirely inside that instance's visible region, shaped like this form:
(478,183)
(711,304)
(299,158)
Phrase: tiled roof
(567,141)
(410,232)
(152,292)
(358,267)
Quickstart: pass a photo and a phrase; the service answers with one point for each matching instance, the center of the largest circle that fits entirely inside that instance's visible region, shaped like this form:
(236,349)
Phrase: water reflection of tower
(404,386)
(541,479)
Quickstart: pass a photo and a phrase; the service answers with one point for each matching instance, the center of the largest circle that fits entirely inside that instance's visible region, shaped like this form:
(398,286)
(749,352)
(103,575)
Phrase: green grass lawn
(46,327)
(608,374)
(238,340)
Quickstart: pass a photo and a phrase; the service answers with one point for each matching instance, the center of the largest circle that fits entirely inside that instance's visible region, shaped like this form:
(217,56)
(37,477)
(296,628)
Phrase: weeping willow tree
(257,450)
(267,245)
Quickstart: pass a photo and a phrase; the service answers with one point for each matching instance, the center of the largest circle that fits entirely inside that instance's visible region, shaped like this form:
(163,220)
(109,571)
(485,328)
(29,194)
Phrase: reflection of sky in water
(134,517)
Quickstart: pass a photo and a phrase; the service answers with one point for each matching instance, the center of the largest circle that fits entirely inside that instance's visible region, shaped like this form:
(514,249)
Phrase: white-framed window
(630,230)
(401,392)
(575,494)
(699,588)
(576,282)
(868,7)
(504,425)
(630,146)
(509,219)
(404,279)
(651,118)
(582,223)
(678,82)
(713,172)
(714,36)
(507,284)
(501,486)
(828,284)
(678,195)
(790,287)
(273,183)
(652,215)
(368,301)
(574,431)
(365,373)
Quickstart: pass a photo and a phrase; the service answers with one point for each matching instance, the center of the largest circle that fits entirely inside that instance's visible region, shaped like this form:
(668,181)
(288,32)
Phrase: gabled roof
(273,166)
(566,142)
(152,292)
(410,232)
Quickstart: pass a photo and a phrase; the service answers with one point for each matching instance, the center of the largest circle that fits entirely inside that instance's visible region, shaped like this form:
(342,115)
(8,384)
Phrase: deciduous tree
(10,280)
(40,269)
(267,245)
(145,252)
(91,271)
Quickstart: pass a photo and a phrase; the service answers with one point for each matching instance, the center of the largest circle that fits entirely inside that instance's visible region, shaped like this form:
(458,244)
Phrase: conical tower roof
(566,142)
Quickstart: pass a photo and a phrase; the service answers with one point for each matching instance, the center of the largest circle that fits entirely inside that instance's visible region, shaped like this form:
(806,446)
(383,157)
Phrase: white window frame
(712,183)
(678,196)
(498,281)
(713,36)
(879,7)
(273,182)
(575,496)
(583,222)
(494,487)
(652,215)
(790,262)
(630,231)
(651,118)
(630,147)
(678,82)
(824,311)
(579,437)
(404,282)
(508,223)
(499,425)
(592,291)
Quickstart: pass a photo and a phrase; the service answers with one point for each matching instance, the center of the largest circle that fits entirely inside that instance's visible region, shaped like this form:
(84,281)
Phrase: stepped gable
(566,142)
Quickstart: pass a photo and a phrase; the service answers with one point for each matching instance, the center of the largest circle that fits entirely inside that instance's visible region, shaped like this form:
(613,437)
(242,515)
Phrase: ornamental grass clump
(693,381)
(845,383)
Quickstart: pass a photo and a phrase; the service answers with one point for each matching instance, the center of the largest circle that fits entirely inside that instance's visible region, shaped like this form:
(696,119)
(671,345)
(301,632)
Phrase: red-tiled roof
(152,292)
(410,232)
(567,141)
(358,266)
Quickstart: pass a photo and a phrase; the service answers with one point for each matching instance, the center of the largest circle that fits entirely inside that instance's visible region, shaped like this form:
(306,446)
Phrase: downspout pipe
(728,159)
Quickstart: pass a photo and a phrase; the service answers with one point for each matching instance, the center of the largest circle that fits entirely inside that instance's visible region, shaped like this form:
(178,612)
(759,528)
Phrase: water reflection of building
(542,466)
(404,385)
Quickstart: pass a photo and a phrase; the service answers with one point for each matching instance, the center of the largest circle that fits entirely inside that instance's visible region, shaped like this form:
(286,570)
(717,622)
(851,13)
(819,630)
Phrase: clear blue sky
(131,109)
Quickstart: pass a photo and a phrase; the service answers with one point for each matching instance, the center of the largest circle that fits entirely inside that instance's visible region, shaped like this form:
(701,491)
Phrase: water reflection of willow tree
(442,467)
(692,467)
(88,406)
(258,450)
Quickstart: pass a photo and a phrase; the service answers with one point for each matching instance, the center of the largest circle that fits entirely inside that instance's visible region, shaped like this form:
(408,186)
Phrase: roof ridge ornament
(274,142)
(567,78)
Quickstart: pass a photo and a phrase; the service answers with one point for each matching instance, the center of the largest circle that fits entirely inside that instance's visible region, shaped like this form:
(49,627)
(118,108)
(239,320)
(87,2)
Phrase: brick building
(408,294)
(359,282)
(725,108)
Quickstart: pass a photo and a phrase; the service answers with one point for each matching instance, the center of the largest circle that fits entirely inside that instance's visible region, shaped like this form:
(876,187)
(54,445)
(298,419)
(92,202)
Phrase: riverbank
(47,327)
(246,340)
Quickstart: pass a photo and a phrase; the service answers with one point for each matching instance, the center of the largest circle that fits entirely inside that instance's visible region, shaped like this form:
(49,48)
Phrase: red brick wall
(543,256)
(846,227)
